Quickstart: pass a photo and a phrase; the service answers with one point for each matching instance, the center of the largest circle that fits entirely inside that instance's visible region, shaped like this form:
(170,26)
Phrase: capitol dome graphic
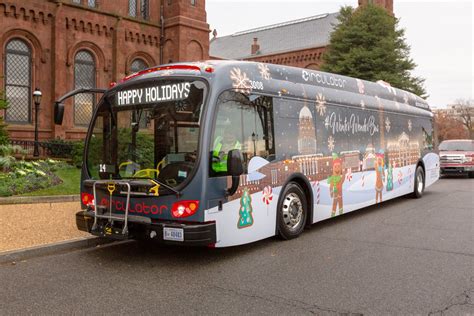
(307,133)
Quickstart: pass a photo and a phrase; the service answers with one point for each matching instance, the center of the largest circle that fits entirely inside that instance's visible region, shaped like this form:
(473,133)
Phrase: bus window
(242,124)
(428,134)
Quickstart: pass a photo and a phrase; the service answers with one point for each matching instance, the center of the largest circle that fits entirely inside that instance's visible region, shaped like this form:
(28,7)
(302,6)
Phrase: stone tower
(387,4)
(186,32)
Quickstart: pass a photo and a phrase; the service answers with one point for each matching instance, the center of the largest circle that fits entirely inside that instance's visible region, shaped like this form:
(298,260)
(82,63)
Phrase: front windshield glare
(136,139)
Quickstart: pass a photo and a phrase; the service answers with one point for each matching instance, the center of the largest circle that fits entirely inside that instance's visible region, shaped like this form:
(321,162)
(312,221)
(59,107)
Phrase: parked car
(457,157)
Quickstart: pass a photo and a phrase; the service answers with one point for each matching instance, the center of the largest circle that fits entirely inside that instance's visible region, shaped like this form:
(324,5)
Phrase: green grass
(71,182)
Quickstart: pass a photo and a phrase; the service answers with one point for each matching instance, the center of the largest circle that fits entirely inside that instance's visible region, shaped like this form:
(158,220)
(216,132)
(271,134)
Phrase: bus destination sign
(154,94)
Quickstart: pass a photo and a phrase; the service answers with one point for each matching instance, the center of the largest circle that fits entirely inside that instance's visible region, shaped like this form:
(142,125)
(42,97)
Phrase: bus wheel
(419,183)
(292,212)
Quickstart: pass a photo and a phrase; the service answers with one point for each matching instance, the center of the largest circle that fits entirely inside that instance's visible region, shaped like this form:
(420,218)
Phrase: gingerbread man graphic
(335,181)
(379,176)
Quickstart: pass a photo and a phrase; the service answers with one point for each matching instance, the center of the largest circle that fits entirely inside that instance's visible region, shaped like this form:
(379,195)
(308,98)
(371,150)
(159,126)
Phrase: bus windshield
(147,131)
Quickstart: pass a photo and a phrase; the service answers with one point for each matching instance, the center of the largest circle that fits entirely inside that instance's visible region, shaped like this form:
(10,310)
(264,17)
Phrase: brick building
(59,45)
(299,43)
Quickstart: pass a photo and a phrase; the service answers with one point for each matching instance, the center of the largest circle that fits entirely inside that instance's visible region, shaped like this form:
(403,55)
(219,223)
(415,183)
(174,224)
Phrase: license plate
(174,234)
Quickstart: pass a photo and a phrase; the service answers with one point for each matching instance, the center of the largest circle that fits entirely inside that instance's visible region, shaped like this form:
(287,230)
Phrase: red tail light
(184,208)
(172,67)
(87,199)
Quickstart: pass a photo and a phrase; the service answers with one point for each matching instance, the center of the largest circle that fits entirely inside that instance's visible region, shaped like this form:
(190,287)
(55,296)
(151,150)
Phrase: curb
(39,199)
(14,256)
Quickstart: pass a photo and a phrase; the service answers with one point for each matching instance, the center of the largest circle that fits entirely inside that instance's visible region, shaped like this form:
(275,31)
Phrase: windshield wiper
(178,193)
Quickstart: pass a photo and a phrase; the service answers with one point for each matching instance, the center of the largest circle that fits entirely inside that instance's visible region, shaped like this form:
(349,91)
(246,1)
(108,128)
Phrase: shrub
(77,153)
(26,176)
(4,140)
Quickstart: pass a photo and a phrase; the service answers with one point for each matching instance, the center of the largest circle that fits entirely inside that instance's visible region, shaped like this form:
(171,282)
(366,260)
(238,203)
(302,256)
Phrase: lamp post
(37,99)
(254,140)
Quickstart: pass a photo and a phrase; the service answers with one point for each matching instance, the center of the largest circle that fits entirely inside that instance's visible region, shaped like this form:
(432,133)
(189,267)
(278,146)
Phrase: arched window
(137,65)
(84,77)
(145,9)
(139,8)
(18,81)
(132,8)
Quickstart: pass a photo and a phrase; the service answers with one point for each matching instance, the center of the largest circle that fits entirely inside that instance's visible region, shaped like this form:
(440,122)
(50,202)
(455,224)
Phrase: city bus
(224,153)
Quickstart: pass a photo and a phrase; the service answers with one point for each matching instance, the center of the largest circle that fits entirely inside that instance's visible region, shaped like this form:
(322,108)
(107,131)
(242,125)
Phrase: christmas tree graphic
(245,211)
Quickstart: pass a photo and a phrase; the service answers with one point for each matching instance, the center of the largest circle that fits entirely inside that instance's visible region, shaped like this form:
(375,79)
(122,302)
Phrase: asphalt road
(407,257)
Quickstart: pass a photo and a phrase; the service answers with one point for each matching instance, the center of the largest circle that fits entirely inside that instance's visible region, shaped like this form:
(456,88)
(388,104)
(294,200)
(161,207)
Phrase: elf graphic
(390,177)
(245,211)
(335,184)
(379,176)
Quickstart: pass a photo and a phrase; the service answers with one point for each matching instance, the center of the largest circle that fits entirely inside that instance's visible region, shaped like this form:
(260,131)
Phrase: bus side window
(241,124)
(427,134)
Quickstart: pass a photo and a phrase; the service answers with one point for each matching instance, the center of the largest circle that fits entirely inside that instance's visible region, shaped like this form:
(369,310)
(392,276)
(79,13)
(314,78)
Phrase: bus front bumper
(167,232)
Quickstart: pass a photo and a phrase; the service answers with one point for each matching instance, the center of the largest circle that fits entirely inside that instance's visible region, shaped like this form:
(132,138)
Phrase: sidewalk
(28,225)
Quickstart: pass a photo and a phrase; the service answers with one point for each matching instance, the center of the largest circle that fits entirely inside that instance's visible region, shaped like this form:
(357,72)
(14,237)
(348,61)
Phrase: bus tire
(419,183)
(292,212)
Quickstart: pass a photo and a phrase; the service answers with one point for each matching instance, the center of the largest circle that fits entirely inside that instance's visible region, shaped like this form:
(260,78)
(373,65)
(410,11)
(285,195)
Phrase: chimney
(255,46)
(214,35)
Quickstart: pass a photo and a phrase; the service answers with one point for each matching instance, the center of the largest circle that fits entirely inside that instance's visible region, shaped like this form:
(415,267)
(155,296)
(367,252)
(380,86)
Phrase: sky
(440,34)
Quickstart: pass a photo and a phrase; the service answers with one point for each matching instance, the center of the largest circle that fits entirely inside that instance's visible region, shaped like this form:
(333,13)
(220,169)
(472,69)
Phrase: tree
(447,127)
(466,115)
(368,44)
(245,211)
(4,140)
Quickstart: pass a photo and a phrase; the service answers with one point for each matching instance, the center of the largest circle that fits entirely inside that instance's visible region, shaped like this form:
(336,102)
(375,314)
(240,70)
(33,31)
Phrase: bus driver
(221,147)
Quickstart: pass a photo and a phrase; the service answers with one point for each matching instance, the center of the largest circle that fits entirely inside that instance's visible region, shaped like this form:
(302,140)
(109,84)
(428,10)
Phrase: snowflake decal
(409,125)
(387,124)
(362,104)
(321,104)
(240,81)
(264,71)
(331,143)
(405,98)
(181,106)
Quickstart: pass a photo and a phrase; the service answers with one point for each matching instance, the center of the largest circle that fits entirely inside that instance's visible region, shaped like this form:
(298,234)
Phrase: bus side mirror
(58,113)
(235,165)
(235,168)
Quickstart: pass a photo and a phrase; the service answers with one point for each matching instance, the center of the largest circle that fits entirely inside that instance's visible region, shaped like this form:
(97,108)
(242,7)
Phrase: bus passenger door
(243,123)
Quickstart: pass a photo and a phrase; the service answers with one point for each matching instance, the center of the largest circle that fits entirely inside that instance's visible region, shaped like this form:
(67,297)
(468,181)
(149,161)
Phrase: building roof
(294,35)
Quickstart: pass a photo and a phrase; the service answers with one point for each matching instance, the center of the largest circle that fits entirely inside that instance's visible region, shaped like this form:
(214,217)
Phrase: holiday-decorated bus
(224,153)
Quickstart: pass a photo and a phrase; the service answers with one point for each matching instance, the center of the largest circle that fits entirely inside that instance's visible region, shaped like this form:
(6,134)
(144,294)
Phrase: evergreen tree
(4,140)
(368,44)
(245,211)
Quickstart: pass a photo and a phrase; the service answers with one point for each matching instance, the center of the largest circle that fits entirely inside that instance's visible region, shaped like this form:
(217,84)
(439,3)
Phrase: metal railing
(51,149)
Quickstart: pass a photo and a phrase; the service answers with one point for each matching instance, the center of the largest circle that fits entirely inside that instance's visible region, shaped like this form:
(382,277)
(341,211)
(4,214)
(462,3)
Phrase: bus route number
(256,85)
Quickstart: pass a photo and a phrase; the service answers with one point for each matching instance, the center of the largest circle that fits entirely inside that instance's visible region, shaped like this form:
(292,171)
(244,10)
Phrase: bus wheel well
(422,165)
(306,187)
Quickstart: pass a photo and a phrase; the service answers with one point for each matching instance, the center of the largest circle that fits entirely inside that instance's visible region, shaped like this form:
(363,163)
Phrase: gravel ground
(27,225)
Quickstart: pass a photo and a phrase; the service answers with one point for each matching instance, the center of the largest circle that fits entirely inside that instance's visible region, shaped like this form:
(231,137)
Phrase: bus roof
(292,82)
